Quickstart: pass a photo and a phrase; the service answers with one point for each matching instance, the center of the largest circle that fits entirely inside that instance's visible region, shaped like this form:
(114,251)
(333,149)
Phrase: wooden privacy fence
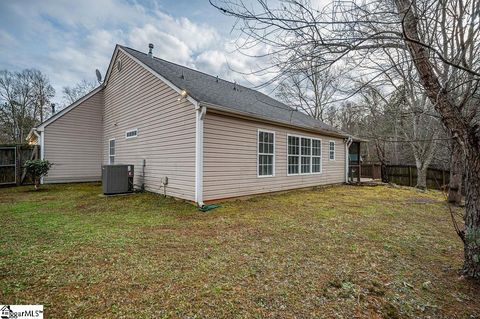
(12,160)
(407,175)
(371,170)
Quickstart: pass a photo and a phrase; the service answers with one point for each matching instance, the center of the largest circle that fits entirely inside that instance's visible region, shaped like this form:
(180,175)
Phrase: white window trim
(334,150)
(274,153)
(132,130)
(110,155)
(311,155)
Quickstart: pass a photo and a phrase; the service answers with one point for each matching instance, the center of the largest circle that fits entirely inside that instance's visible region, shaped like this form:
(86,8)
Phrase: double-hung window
(316,156)
(111,151)
(266,153)
(304,155)
(331,151)
(306,152)
(293,154)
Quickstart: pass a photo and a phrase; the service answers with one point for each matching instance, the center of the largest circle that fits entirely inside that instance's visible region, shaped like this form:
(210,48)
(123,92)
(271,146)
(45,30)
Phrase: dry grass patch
(337,252)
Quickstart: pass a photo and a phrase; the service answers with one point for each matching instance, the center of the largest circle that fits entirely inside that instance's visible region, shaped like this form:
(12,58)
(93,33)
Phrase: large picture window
(304,155)
(266,153)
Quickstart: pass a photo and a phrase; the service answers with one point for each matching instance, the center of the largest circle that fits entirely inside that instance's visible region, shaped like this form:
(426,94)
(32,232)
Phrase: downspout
(41,138)
(199,117)
(348,142)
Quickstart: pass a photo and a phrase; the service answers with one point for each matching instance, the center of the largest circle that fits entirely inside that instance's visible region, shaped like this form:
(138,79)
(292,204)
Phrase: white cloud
(213,60)
(68,40)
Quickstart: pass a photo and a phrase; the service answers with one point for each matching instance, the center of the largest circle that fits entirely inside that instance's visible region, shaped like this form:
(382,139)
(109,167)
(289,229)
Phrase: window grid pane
(305,164)
(265,165)
(293,145)
(316,147)
(316,165)
(306,146)
(293,163)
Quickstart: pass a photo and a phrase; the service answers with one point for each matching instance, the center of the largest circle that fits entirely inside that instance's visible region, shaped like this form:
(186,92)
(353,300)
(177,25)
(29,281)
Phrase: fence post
(18,164)
(410,176)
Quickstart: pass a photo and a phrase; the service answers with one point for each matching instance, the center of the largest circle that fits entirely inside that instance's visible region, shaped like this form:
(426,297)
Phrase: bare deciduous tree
(310,89)
(441,37)
(73,93)
(24,97)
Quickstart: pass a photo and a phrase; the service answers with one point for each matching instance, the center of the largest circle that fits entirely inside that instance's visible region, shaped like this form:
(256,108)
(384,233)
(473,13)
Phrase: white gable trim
(110,65)
(69,108)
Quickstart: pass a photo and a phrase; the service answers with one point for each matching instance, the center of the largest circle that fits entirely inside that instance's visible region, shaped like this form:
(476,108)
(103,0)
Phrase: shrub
(38,169)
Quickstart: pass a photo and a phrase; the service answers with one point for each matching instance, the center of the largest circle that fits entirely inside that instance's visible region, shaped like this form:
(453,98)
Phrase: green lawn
(369,252)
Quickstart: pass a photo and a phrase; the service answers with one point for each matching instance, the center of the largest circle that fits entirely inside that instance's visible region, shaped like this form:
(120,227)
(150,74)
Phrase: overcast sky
(67,40)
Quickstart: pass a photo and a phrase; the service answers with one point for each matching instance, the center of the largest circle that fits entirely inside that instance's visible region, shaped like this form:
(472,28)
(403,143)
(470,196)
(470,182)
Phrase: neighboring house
(212,138)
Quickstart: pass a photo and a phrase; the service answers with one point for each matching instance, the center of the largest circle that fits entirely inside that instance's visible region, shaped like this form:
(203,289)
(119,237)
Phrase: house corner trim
(199,118)
(42,149)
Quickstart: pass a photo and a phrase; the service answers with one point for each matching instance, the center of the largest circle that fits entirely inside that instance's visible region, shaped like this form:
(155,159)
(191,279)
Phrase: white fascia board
(229,111)
(110,65)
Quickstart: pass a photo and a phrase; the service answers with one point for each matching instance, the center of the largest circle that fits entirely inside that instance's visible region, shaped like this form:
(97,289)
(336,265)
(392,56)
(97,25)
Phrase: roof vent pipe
(53,108)
(150,48)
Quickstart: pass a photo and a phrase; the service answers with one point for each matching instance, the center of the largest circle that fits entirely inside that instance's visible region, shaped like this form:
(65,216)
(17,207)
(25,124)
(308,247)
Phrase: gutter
(229,111)
(41,138)
(348,141)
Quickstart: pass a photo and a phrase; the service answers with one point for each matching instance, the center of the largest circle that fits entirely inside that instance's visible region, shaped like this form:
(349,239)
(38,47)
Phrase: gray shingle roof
(212,90)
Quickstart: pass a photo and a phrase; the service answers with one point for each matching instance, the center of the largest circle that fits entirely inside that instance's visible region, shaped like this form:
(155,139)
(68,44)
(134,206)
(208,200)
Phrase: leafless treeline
(26,100)
(416,61)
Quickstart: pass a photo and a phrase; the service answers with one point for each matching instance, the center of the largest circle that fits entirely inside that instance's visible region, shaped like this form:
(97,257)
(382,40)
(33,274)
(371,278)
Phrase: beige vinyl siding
(136,99)
(73,143)
(230,159)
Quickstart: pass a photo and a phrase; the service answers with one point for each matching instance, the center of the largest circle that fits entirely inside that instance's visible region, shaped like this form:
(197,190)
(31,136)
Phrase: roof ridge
(295,116)
(287,107)
(185,67)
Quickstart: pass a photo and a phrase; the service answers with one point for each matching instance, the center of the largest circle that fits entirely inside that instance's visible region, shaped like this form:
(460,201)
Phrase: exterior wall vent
(131,133)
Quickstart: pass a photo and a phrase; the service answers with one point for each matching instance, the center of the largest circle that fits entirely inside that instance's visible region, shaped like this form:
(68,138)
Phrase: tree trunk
(471,267)
(384,173)
(467,132)
(456,174)
(421,177)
